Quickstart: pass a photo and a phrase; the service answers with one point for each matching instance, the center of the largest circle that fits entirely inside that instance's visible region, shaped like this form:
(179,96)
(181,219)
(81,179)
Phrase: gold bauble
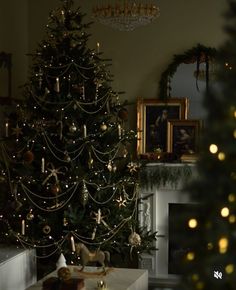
(55,189)
(103,127)
(30,216)
(134,239)
(73,128)
(28,156)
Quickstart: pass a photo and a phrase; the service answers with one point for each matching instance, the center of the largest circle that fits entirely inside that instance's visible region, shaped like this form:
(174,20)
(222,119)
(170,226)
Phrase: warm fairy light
(213,148)
(221,156)
(190,256)
(229,269)
(232,219)
(224,211)
(234,134)
(200,285)
(223,245)
(98,47)
(195,277)
(192,223)
(231,197)
(209,246)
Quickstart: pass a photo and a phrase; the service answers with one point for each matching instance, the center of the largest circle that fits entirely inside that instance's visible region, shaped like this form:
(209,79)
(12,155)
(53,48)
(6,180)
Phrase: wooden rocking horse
(86,256)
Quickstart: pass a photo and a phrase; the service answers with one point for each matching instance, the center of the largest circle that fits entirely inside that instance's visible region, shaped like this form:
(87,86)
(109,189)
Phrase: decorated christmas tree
(68,173)
(209,239)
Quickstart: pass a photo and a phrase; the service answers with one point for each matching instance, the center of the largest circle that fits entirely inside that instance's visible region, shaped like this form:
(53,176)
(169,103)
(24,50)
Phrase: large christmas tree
(68,175)
(210,260)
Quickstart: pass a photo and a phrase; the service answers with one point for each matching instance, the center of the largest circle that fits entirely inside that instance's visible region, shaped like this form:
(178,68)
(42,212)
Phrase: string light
(229,269)
(221,156)
(190,256)
(224,212)
(213,148)
(192,223)
(223,245)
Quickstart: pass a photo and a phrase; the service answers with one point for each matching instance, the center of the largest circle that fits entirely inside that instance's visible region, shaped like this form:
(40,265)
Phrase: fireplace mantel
(156,195)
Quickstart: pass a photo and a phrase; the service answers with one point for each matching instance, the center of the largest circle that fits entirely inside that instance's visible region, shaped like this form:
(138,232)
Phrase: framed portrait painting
(152,118)
(183,137)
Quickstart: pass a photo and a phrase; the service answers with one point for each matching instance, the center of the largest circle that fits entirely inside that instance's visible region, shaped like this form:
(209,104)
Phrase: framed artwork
(152,118)
(183,136)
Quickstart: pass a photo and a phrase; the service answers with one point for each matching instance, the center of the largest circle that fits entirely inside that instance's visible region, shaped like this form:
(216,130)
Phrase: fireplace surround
(156,202)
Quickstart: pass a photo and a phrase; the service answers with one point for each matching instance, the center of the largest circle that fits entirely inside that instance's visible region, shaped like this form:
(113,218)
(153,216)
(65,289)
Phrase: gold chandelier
(126,15)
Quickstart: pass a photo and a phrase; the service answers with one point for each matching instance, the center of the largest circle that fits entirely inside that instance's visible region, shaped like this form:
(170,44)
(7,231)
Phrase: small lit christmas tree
(67,173)
(210,260)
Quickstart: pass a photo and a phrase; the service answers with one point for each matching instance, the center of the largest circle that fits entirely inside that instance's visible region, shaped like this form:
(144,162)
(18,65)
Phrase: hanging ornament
(134,239)
(103,126)
(46,229)
(121,201)
(47,91)
(133,167)
(99,218)
(81,90)
(109,165)
(55,189)
(17,131)
(60,123)
(54,172)
(40,76)
(84,195)
(65,222)
(30,216)
(67,157)
(28,157)
(125,153)
(73,128)
(90,161)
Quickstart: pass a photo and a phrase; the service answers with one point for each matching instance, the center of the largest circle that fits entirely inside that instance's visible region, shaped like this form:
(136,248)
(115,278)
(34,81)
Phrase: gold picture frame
(151,137)
(183,138)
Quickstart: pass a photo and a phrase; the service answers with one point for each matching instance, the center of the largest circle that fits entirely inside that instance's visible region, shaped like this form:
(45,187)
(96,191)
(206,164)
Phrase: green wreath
(198,54)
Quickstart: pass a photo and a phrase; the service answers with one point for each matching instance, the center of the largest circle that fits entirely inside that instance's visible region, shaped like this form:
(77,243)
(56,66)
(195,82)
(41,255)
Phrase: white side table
(17,268)
(118,279)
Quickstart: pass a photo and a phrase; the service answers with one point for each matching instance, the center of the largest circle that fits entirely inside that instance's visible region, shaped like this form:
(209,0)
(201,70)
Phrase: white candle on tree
(72,243)
(85,130)
(23,227)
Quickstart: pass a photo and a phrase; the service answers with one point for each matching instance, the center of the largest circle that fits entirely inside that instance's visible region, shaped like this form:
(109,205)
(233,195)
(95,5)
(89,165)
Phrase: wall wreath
(198,54)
